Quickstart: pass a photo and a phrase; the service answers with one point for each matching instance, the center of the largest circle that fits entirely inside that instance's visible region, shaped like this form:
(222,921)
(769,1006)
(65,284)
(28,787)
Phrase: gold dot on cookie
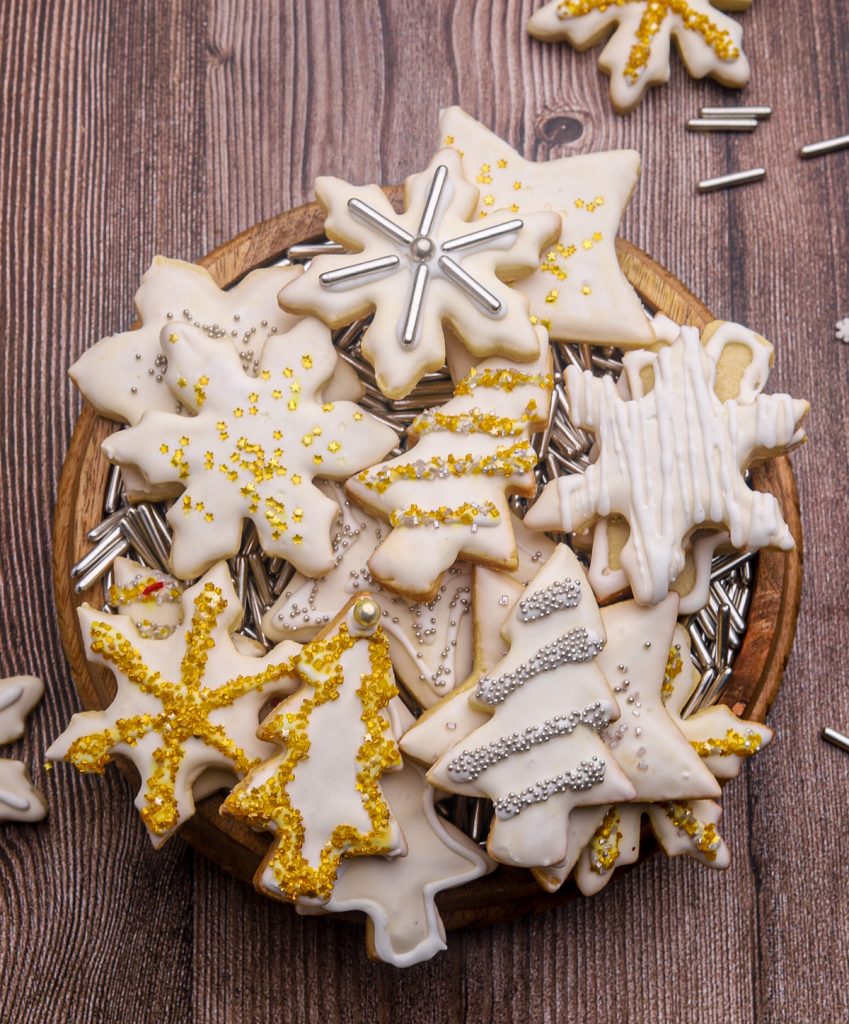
(366,612)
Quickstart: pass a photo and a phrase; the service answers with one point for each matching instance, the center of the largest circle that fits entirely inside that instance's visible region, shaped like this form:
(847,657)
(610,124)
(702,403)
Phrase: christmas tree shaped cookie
(430,642)
(540,755)
(449,491)
(637,55)
(422,269)
(184,704)
(253,447)
(577,291)
(322,798)
(672,461)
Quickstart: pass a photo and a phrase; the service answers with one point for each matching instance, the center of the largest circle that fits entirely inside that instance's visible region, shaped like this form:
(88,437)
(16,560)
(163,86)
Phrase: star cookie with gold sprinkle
(423,269)
(637,55)
(322,798)
(577,291)
(252,449)
(184,704)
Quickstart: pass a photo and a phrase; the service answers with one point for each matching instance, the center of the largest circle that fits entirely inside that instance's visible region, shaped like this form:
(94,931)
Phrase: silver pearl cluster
(561,594)
(588,774)
(468,765)
(575,646)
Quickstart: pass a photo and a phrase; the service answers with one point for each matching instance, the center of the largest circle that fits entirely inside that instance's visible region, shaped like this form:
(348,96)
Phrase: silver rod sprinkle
(723,623)
(309,250)
(380,223)
(721,124)
(105,525)
(160,549)
(241,580)
(255,606)
(134,532)
(414,309)
(261,580)
(821,148)
(725,598)
(722,566)
(88,559)
(732,180)
(358,270)
(836,738)
(283,579)
(433,197)
(484,297)
(349,335)
(119,547)
(760,113)
(114,486)
(483,235)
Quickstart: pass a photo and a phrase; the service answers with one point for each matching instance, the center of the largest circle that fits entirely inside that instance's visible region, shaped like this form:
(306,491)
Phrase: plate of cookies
(428,554)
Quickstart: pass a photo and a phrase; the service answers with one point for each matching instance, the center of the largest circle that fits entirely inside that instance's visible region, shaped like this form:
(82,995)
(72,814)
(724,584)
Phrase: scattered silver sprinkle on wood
(722,124)
(732,180)
(821,148)
(836,738)
(759,113)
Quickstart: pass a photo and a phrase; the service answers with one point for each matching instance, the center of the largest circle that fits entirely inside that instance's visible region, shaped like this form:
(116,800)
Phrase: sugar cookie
(430,643)
(637,55)
(18,696)
(577,290)
(672,461)
(184,704)
(422,269)
(449,491)
(152,599)
(253,448)
(322,798)
(19,799)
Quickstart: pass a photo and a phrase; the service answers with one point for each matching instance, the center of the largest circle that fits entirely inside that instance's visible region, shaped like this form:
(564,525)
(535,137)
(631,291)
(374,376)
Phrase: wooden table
(135,128)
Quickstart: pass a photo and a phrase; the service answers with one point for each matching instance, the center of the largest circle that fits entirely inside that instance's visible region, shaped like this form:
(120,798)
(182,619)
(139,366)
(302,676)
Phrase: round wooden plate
(508,892)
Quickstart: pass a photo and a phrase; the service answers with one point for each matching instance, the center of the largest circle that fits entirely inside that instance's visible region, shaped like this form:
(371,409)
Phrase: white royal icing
(253,448)
(430,643)
(670,462)
(168,678)
(416,272)
(19,799)
(637,54)
(540,754)
(577,290)
(18,696)
(447,494)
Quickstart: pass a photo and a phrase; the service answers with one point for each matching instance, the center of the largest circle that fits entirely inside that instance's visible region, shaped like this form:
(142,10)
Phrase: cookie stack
(429,628)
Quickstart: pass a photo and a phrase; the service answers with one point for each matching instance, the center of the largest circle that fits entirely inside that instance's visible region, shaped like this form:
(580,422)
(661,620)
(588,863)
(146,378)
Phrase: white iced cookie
(672,462)
(183,705)
(399,894)
(637,55)
(253,448)
(18,696)
(152,599)
(447,494)
(721,738)
(322,797)
(540,754)
(423,269)
(430,643)
(19,799)
(494,595)
(123,376)
(577,290)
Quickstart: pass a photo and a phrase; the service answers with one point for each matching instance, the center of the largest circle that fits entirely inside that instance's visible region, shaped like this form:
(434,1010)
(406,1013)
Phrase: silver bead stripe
(585,776)
(468,765)
(575,646)
(561,594)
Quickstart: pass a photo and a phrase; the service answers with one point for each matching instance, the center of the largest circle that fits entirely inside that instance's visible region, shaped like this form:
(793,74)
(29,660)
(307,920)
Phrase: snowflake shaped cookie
(123,376)
(183,705)
(422,269)
(577,291)
(671,462)
(253,448)
(430,643)
(637,55)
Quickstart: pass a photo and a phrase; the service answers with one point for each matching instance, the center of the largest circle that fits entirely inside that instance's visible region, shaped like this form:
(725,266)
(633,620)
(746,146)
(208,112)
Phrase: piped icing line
(19,799)
(18,696)
(670,462)
(428,486)
(421,270)
(588,774)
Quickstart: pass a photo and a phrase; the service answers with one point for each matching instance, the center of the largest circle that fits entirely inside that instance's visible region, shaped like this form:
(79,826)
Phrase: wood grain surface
(135,128)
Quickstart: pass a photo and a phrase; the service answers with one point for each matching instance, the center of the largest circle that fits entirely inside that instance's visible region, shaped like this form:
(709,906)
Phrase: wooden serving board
(508,892)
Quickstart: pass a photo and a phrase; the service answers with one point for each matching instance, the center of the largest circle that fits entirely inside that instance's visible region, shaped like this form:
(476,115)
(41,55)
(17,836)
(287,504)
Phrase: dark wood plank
(134,128)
